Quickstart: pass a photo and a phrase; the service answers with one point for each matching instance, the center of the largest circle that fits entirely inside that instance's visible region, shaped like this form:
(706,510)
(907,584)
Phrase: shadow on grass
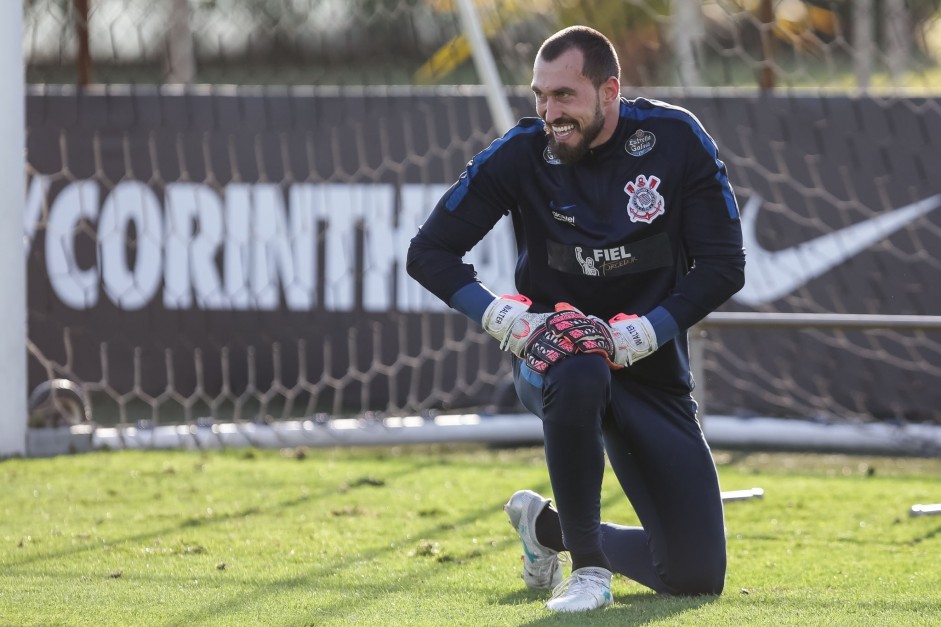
(307,577)
(928,536)
(628,609)
(380,586)
(197,522)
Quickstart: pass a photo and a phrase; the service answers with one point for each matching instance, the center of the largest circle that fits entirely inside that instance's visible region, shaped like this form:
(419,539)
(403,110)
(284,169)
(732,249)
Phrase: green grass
(416,536)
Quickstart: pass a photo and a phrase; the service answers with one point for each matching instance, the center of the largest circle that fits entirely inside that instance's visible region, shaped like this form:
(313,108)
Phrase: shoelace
(540,562)
(543,566)
(579,581)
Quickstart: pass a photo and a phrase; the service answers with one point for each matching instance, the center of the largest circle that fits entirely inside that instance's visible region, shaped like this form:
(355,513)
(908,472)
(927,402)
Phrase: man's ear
(610,90)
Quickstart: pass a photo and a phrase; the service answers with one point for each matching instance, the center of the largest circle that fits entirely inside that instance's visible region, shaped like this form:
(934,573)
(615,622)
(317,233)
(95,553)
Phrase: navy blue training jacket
(644,224)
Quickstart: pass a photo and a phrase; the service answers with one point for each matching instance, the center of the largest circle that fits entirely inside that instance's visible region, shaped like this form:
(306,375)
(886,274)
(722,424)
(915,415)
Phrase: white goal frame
(12,260)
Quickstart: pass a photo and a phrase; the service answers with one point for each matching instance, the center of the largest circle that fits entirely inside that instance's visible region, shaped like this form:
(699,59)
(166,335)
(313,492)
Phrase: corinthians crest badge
(645,203)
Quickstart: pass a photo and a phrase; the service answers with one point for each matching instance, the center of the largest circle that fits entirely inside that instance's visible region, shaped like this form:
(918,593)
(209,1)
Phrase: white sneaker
(586,589)
(541,568)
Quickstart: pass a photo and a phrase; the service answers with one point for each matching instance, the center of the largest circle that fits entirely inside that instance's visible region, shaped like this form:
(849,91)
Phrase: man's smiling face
(570,105)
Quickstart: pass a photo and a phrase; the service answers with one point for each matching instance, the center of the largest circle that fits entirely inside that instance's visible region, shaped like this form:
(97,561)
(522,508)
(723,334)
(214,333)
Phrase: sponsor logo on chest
(645,202)
(640,143)
(596,260)
(621,258)
(560,211)
(550,157)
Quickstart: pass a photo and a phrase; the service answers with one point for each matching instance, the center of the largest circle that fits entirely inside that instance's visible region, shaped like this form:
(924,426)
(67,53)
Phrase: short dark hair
(601,60)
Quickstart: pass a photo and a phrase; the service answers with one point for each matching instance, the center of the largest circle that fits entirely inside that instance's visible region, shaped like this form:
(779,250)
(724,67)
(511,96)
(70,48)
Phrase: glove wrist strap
(502,313)
(634,337)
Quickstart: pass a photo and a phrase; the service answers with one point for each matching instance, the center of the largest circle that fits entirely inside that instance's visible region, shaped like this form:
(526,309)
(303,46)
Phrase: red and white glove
(623,340)
(633,338)
(538,339)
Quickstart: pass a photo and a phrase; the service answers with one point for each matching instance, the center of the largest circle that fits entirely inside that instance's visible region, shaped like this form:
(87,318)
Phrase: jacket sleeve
(462,217)
(711,236)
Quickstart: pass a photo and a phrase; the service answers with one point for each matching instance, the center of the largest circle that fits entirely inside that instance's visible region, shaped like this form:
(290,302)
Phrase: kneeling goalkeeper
(628,234)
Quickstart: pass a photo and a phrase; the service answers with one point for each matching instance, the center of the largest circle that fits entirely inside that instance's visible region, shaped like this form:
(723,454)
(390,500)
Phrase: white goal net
(217,220)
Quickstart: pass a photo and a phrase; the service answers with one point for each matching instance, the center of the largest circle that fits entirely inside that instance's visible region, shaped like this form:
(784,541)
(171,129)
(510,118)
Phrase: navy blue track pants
(660,457)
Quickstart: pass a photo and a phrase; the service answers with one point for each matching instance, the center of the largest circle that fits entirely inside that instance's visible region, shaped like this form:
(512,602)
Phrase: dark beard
(571,154)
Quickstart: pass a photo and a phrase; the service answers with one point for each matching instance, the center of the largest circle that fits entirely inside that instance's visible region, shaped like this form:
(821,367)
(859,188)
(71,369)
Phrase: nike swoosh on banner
(769,275)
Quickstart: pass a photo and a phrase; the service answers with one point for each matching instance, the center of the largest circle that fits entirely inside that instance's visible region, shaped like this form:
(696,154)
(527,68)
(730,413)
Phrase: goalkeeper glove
(622,341)
(632,339)
(537,339)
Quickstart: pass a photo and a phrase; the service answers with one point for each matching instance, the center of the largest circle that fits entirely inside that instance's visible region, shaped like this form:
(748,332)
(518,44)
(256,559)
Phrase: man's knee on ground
(702,577)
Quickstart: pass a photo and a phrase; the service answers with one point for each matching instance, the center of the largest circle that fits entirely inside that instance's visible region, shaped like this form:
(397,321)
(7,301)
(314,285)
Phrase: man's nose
(553,111)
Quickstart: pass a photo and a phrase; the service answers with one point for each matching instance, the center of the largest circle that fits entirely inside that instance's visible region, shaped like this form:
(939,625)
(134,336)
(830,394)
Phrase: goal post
(486,67)
(12,261)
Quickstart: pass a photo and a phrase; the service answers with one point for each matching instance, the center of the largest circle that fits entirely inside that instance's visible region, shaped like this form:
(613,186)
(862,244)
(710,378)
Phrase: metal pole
(181,61)
(83,59)
(766,72)
(688,31)
(925,510)
(486,67)
(12,258)
(863,42)
(742,320)
(898,34)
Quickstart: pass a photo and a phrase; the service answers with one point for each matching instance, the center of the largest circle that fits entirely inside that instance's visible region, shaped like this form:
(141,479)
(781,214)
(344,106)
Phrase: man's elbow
(418,255)
(738,277)
(730,275)
(424,261)
(414,258)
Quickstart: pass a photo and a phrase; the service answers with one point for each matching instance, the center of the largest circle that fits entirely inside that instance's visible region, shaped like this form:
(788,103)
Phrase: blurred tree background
(713,43)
